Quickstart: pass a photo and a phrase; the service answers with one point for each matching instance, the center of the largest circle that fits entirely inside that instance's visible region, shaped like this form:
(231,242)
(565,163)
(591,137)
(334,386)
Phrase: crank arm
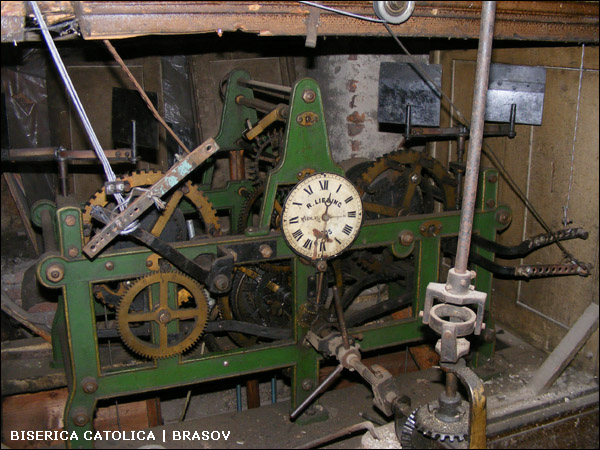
(528,245)
(529,270)
(162,248)
(172,178)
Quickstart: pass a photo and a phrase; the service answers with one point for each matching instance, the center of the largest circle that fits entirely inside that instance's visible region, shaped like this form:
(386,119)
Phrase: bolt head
(307,384)
(70,220)
(55,272)
(407,237)
(89,385)
(309,96)
(265,250)
(109,265)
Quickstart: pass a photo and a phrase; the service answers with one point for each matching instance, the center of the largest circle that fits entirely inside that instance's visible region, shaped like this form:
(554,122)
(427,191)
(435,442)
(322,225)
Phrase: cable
(110,175)
(343,13)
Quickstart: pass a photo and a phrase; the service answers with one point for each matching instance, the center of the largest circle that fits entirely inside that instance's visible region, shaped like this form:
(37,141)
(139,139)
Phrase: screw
(490,203)
(149,263)
(308,96)
(70,220)
(164,316)
(492,178)
(80,418)
(322,266)
(73,251)
(109,265)
(407,237)
(265,250)
(307,384)
(503,217)
(185,189)
(89,385)
(225,363)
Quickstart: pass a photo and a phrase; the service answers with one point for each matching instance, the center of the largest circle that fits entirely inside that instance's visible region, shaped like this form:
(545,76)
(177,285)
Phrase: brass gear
(267,154)
(420,179)
(159,314)
(187,190)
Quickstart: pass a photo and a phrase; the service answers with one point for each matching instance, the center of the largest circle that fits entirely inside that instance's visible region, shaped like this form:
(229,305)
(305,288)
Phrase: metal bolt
(221,282)
(89,385)
(492,178)
(415,178)
(164,316)
(265,250)
(490,203)
(80,418)
(463,282)
(309,96)
(109,265)
(225,363)
(407,237)
(70,220)
(185,189)
(73,251)
(322,266)
(149,263)
(307,384)
(55,272)
(503,217)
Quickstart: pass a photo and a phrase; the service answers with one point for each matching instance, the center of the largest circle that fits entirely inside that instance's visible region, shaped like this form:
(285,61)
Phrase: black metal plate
(127,105)
(401,85)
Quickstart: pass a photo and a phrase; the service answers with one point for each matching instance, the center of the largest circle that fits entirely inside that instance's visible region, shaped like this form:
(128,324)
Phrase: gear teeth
(143,348)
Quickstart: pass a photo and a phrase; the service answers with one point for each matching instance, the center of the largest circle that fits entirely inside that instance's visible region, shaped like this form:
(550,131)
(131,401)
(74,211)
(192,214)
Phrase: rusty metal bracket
(171,179)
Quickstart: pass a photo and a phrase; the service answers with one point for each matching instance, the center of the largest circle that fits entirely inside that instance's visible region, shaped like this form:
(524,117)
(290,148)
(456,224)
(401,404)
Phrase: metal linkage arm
(528,245)
(172,178)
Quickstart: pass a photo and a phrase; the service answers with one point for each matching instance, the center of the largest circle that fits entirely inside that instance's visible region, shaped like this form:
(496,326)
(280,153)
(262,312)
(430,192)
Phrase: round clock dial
(322,216)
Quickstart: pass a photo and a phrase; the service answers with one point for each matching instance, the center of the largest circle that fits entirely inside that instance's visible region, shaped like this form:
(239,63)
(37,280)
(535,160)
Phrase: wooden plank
(425,356)
(564,352)
(43,411)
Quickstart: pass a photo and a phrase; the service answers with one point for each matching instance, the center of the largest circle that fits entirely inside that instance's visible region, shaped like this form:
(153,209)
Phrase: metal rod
(50,244)
(340,315)
(269,87)
(321,388)
(63,174)
(451,384)
(484,54)
(274,390)
(460,153)
(255,103)
(343,432)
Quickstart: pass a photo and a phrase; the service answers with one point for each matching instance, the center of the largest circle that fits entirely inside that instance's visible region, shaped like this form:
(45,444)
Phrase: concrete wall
(556,165)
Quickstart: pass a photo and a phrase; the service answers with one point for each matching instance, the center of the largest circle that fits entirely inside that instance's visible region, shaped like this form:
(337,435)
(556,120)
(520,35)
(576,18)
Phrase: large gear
(173,327)
(188,191)
(405,182)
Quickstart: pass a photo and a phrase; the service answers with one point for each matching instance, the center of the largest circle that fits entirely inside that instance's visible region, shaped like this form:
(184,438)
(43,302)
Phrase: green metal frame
(74,335)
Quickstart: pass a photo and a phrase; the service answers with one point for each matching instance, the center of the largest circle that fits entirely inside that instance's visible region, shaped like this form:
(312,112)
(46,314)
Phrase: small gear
(172,327)
(266,155)
(422,429)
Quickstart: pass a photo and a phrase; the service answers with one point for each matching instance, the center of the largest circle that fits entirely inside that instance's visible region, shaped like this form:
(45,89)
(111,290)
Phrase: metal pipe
(321,388)
(268,87)
(484,54)
(343,432)
(340,315)
(260,105)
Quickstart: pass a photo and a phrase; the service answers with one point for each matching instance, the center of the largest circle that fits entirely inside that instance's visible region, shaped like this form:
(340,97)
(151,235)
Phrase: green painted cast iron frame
(74,337)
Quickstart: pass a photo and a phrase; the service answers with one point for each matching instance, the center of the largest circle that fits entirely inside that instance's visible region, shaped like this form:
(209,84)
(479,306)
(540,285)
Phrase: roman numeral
(308,244)
(298,234)
(294,219)
(338,189)
(352,214)
(349,199)
(322,247)
(308,189)
(347,230)
(297,204)
(338,241)
(324,184)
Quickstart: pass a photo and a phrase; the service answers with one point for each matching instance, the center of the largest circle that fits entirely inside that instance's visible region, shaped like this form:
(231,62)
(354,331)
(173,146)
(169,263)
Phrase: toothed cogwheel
(173,326)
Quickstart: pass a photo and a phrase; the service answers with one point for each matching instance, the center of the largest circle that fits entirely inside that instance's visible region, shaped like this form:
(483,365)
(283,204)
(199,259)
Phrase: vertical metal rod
(484,55)
(63,174)
(451,384)
(340,315)
(460,153)
(238,394)
(274,390)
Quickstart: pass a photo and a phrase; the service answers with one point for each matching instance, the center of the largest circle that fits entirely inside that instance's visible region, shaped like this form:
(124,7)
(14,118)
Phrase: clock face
(322,216)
